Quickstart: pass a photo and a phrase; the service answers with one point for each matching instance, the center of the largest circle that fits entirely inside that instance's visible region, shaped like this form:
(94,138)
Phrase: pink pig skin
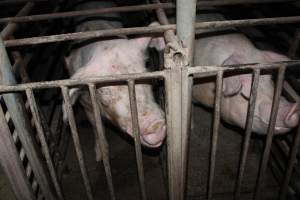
(113,57)
(220,48)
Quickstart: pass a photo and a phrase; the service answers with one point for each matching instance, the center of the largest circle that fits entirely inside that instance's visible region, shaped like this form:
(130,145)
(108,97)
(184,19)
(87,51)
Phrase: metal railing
(178,77)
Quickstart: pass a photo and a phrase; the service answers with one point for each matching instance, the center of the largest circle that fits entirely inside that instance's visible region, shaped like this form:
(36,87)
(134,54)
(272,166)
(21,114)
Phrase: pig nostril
(292,120)
(155,138)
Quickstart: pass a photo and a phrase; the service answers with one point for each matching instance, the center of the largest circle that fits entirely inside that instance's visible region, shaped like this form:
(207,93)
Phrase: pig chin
(261,127)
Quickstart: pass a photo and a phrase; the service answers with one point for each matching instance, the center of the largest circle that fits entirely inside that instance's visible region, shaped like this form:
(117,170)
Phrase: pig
(229,47)
(115,56)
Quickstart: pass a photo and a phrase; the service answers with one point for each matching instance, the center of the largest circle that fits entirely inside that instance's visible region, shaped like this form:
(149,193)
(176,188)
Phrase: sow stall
(34,142)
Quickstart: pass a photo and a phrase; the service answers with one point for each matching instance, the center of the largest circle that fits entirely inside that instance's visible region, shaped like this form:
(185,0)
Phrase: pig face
(237,90)
(123,56)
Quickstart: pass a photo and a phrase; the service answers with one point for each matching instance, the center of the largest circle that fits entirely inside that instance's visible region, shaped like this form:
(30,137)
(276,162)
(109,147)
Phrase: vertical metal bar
(291,164)
(41,134)
(102,140)
(76,141)
(136,132)
(246,143)
(214,142)
(185,21)
(11,163)
(270,132)
(21,122)
(12,27)
(187,84)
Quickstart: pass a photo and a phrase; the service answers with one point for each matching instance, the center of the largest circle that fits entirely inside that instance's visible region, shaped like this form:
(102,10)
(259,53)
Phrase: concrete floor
(5,190)
(124,170)
(125,174)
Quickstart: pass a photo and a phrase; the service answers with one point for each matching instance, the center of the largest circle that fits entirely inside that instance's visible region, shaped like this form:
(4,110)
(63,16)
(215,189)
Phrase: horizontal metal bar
(77,145)
(148,30)
(134,8)
(102,140)
(2,2)
(10,28)
(270,133)
(246,143)
(136,133)
(76,82)
(215,133)
(204,71)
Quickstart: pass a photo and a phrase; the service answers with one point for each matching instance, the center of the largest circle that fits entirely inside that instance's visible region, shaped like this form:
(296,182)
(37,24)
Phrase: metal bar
(75,136)
(148,30)
(21,122)
(185,21)
(102,140)
(187,85)
(38,124)
(185,30)
(134,8)
(291,164)
(136,133)
(270,132)
(246,143)
(74,82)
(2,2)
(12,27)
(162,17)
(215,133)
(204,71)
(11,163)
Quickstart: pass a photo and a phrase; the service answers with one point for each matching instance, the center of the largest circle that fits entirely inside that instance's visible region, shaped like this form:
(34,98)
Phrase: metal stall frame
(178,77)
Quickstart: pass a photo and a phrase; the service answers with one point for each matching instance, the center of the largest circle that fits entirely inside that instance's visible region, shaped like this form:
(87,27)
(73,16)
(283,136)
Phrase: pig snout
(287,116)
(152,132)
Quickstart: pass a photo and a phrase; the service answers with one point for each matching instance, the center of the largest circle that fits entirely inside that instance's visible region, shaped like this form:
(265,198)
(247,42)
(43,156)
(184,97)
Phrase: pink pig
(113,57)
(229,48)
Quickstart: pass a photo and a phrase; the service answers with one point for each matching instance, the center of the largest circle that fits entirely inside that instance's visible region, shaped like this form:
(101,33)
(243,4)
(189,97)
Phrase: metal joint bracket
(175,55)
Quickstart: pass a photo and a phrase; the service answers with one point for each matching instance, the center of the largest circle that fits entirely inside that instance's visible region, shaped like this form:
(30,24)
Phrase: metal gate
(178,76)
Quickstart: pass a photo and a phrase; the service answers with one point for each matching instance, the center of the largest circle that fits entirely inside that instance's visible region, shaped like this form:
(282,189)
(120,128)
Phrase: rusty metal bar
(11,164)
(215,133)
(136,133)
(74,82)
(12,27)
(246,143)
(77,145)
(18,1)
(270,132)
(148,30)
(291,164)
(38,124)
(162,18)
(102,140)
(16,109)
(134,8)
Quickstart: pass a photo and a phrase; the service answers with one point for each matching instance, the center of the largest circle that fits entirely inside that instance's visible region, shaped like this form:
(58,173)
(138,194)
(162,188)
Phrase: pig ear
(144,42)
(232,85)
(271,56)
(155,42)
(74,93)
(239,83)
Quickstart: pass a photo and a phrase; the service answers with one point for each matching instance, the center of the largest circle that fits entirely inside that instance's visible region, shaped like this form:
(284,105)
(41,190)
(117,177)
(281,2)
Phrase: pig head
(236,49)
(121,56)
